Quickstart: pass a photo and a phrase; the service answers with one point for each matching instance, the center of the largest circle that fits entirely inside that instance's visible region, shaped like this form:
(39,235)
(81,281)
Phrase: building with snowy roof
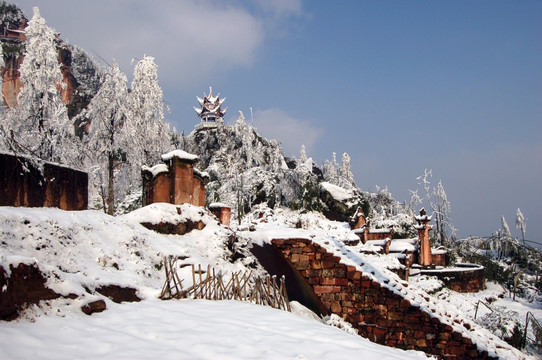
(210,111)
(175,181)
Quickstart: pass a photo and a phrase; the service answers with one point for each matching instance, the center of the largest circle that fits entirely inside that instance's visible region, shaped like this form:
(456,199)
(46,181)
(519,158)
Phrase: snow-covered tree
(505,229)
(111,132)
(302,155)
(442,213)
(330,171)
(147,111)
(438,202)
(415,199)
(521,224)
(2,64)
(345,172)
(39,125)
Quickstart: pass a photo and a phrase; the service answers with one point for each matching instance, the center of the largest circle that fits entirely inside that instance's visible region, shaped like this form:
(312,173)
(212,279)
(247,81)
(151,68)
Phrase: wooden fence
(242,286)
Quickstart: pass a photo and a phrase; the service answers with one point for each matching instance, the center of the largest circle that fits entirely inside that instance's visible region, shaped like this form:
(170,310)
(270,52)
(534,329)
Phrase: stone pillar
(198,195)
(183,181)
(156,184)
(423,228)
(222,212)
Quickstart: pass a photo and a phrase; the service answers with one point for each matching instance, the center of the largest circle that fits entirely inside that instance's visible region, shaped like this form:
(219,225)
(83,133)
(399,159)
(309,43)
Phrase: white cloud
(291,132)
(189,39)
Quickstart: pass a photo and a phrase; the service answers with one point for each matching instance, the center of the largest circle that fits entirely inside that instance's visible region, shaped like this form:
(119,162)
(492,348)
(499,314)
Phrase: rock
(93,307)
(118,293)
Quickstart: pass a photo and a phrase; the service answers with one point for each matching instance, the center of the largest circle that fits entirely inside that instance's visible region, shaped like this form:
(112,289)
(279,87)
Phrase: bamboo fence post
(202,284)
(275,304)
(214,285)
(193,277)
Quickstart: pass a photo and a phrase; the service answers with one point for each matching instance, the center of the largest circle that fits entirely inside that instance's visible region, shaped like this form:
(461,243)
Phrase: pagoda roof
(210,104)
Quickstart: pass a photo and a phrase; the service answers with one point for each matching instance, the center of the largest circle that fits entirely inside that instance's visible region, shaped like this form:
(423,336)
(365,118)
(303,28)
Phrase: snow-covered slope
(188,329)
(330,236)
(89,248)
(79,251)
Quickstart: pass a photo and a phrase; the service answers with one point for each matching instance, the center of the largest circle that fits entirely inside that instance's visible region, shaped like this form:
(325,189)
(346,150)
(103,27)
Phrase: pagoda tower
(210,111)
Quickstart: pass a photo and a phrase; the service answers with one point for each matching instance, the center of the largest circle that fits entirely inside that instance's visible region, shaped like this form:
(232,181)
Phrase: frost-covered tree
(330,170)
(345,172)
(39,125)
(415,199)
(2,64)
(521,224)
(111,132)
(442,212)
(302,155)
(505,229)
(438,202)
(147,111)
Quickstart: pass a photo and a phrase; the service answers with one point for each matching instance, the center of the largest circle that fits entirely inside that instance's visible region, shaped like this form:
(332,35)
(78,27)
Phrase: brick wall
(461,280)
(56,186)
(378,313)
(180,184)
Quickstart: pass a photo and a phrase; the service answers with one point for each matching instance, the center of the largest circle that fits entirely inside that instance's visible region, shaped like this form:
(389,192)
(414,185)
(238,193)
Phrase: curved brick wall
(467,278)
(378,313)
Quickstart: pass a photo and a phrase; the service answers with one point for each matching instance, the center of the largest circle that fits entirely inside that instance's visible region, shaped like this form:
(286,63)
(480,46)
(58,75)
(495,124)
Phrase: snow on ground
(329,234)
(86,249)
(89,248)
(187,329)
(501,312)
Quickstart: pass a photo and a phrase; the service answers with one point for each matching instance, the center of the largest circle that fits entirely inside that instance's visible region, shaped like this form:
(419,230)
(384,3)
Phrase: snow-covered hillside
(79,251)
(246,170)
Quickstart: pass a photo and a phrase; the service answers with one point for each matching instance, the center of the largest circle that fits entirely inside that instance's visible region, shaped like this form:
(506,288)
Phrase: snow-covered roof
(400,246)
(218,205)
(380,231)
(181,154)
(423,218)
(210,104)
(201,174)
(156,169)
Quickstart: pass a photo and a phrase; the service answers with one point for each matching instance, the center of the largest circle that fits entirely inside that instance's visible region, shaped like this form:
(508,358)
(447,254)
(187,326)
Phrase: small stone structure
(465,278)
(175,181)
(378,313)
(361,229)
(222,212)
(22,184)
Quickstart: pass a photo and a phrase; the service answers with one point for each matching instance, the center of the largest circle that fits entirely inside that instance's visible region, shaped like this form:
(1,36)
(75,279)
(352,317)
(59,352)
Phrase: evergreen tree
(303,155)
(346,176)
(152,134)
(330,171)
(39,125)
(110,133)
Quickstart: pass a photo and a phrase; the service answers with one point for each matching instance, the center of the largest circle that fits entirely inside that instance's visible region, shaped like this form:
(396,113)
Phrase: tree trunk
(111,193)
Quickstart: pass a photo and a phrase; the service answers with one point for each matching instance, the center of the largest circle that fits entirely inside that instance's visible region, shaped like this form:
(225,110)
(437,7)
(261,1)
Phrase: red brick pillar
(183,180)
(423,228)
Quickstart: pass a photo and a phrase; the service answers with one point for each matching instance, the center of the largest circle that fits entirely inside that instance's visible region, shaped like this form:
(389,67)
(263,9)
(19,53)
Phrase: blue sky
(452,86)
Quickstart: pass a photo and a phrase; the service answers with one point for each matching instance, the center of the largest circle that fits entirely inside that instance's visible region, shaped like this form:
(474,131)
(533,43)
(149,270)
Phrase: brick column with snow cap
(423,228)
